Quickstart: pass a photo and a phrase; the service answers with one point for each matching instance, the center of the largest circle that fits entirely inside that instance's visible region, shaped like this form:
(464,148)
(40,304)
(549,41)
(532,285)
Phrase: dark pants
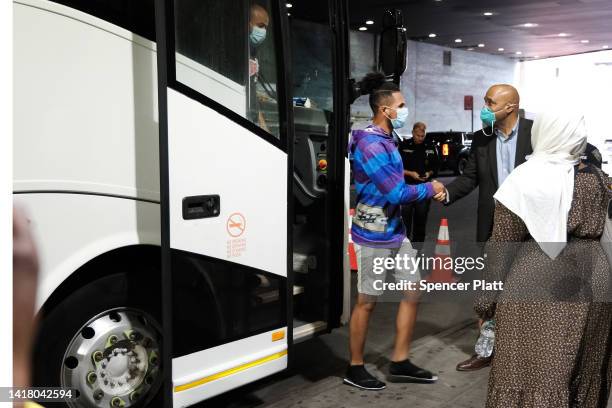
(415,219)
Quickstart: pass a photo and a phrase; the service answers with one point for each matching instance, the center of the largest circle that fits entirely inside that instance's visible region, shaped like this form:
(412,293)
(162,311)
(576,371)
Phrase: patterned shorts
(371,267)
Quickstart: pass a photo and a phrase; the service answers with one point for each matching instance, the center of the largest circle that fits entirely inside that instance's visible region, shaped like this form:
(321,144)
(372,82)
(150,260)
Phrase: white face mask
(258,35)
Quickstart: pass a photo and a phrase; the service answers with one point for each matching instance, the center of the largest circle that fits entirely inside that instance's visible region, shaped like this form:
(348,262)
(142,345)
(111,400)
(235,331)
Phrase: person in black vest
(420,160)
(497,149)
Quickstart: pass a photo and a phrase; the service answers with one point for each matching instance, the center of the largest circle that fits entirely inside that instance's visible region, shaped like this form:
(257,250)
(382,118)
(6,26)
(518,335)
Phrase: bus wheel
(104,345)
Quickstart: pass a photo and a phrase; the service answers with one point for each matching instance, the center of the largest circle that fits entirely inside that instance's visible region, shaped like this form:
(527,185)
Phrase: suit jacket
(481,171)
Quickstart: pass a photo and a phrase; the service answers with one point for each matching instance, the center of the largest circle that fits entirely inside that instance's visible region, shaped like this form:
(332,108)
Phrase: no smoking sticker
(235,226)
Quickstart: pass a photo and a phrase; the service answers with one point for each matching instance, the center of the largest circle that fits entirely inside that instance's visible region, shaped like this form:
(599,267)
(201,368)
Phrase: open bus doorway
(318,269)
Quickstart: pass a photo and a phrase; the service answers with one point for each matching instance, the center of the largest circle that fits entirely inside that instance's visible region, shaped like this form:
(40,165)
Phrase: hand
(413,175)
(439,190)
(261,120)
(440,197)
(253,67)
(438,187)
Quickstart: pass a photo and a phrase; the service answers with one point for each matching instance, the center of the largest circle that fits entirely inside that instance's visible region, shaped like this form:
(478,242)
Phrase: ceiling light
(363,28)
(605,47)
(458,40)
(584,41)
(536,56)
(432,35)
(487,13)
(470,49)
(289,14)
(518,53)
(369,22)
(563,35)
(481,45)
(529,25)
(289,5)
(500,49)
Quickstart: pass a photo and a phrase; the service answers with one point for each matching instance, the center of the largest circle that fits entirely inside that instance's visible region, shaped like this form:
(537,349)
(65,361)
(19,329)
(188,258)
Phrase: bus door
(319,70)
(226,183)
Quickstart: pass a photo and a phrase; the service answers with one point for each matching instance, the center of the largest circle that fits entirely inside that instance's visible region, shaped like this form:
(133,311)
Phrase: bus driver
(258,25)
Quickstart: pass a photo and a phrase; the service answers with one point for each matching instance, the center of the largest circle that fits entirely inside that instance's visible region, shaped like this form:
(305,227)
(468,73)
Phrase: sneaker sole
(411,379)
(349,382)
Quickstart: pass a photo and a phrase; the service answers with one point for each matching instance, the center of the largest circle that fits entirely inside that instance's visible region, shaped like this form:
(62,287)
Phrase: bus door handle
(204,206)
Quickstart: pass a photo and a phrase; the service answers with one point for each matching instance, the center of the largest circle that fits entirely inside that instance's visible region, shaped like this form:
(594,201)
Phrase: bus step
(304,331)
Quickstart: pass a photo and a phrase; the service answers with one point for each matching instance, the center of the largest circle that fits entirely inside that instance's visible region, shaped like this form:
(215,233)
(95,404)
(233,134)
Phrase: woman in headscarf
(553,318)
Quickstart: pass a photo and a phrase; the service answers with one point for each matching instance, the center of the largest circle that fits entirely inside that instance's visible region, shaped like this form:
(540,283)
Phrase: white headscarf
(540,191)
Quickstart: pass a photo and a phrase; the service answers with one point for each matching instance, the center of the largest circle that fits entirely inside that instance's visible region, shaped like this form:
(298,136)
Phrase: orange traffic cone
(351,246)
(442,269)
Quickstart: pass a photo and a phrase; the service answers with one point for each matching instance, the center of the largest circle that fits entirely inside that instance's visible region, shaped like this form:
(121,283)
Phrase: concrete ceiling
(580,20)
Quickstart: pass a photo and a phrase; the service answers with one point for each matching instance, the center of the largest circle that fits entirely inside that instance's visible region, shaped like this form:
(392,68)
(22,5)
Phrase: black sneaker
(405,371)
(358,376)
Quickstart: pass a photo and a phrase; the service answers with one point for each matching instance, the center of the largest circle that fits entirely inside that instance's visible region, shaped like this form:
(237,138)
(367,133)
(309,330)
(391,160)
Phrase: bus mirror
(392,52)
(393,45)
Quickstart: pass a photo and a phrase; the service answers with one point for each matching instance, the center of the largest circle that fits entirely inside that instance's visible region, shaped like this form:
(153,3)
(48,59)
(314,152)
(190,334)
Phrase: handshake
(439,191)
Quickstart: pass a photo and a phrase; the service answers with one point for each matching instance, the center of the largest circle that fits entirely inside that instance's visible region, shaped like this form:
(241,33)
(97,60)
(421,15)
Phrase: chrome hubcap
(113,360)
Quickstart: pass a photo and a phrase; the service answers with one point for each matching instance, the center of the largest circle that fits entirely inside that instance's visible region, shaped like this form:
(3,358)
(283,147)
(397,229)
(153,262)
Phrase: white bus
(170,278)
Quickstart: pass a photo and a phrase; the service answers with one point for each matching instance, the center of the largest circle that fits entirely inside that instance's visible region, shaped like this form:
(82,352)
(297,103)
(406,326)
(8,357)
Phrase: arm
(261,121)
(466,183)
(382,171)
(500,250)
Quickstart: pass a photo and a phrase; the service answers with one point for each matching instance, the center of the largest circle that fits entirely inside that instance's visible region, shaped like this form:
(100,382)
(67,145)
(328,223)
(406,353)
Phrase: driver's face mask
(257,36)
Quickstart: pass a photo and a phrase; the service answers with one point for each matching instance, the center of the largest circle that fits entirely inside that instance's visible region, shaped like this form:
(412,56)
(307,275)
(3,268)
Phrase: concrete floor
(444,335)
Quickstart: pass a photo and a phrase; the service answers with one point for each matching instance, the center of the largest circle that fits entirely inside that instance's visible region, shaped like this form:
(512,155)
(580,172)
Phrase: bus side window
(225,51)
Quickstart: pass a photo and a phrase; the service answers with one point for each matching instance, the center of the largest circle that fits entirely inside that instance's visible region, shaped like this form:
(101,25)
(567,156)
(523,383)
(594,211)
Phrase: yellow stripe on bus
(229,372)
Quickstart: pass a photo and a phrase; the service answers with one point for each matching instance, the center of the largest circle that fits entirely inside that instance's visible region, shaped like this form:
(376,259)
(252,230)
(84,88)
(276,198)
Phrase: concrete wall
(434,91)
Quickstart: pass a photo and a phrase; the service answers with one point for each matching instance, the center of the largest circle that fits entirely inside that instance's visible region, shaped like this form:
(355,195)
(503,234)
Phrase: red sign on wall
(468,102)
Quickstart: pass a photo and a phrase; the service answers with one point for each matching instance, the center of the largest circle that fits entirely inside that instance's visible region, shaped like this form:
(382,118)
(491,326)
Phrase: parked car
(453,149)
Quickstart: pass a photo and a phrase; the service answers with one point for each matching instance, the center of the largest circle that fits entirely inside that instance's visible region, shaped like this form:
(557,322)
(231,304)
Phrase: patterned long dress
(554,317)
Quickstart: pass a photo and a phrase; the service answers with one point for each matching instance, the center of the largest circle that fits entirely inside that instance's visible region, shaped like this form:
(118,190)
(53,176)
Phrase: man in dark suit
(496,150)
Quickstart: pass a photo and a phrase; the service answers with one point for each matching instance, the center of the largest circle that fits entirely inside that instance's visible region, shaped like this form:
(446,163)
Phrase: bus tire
(117,311)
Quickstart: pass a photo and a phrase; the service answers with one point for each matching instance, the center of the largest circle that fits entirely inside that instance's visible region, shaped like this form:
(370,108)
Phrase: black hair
(379,89)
